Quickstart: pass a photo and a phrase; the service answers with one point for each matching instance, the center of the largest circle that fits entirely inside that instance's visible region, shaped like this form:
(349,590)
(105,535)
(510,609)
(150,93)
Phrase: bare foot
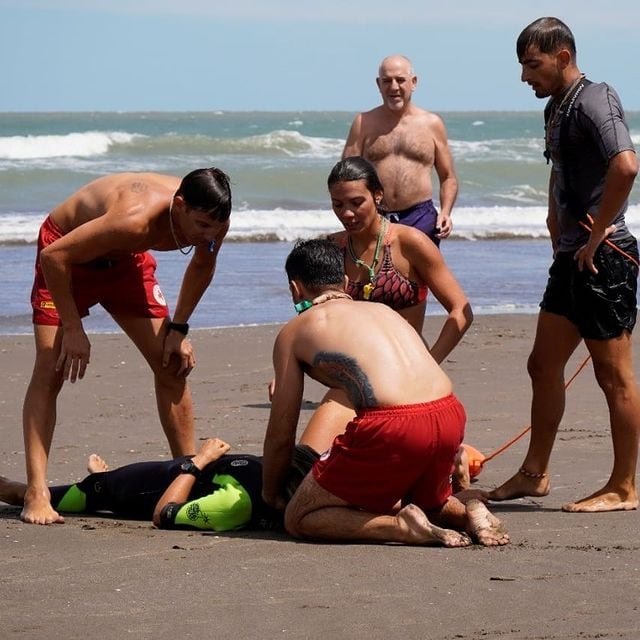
(604,500)
(38,510)
(519,486)
(420,531)
(96,464)
(484,526)
(12,492)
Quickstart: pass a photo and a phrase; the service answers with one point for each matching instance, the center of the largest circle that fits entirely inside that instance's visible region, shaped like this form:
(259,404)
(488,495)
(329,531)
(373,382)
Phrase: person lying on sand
(212,490)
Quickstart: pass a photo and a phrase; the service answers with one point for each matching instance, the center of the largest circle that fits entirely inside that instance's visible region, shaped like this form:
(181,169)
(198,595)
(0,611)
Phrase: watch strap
(180,327)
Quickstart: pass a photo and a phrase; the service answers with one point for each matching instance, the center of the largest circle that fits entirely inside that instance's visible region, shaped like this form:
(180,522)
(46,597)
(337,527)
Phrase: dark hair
(548,34)
(318,264)
(303,458)
(209,191)
(355,168)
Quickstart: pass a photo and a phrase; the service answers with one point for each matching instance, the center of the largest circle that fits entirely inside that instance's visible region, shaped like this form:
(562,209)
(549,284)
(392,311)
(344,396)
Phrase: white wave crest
(511,150)
(285,225)
(86,144)
(293,143)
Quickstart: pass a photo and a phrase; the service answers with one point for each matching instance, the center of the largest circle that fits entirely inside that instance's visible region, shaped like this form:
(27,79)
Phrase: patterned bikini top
(389,286)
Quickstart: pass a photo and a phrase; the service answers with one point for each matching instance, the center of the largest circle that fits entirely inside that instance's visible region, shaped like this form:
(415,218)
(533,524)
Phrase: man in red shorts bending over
(93,249)
(400,448)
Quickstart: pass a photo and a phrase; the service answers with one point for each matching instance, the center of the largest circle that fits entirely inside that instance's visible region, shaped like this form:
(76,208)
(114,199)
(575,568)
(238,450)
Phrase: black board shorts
(601,305)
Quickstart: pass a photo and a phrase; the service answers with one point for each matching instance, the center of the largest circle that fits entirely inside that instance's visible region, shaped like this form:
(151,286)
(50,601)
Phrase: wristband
(180,327)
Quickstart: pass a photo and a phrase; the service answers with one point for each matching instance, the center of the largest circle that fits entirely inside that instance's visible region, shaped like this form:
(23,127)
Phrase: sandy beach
(563,575)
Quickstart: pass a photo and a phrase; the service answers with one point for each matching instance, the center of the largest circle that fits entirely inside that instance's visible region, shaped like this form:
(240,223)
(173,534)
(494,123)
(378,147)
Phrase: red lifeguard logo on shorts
(47,304)
(157,294)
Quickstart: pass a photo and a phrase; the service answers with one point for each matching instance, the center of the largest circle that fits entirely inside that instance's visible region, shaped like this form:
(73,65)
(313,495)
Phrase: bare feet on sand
(37,508)
(420,531)
(483,526)
(96,464)
(520,485)
(604,500)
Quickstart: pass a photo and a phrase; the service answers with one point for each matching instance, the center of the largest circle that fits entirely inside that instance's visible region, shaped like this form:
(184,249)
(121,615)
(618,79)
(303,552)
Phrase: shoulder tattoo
(138,186)
(346,372)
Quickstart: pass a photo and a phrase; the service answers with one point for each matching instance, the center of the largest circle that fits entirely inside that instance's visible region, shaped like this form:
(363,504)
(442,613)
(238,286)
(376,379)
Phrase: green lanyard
(368,288)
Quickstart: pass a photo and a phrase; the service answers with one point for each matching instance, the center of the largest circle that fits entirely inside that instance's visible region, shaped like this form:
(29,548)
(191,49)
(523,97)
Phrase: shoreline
(563,575)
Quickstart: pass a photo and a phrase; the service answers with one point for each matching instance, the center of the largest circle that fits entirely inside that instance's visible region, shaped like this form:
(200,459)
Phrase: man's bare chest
(399,144)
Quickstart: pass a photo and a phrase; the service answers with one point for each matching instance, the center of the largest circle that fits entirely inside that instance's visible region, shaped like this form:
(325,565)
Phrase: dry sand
(563,575)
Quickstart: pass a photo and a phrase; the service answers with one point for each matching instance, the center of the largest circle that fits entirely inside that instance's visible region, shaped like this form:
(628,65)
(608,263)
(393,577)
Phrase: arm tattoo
(346,373)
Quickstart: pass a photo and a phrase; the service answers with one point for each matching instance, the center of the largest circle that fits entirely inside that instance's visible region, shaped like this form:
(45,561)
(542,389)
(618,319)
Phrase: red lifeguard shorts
(125,286)
(389,454)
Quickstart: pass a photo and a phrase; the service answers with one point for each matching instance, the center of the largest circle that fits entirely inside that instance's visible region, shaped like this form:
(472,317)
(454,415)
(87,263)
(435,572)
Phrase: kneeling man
(388,477)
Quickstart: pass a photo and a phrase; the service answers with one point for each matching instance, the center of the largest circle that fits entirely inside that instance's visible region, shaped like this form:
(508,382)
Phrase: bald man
(405,143)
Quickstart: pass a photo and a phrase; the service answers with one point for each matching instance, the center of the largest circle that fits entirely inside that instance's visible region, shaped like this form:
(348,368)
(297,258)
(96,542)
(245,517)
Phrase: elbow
(465,317)
(468,316)
(630,169)
(46,258)
(157,521)
(626,165)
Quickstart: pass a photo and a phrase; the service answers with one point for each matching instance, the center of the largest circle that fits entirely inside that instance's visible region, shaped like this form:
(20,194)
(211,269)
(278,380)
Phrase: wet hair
(548,34)
(303,458)
(318,264)
(208,190)
(355,168)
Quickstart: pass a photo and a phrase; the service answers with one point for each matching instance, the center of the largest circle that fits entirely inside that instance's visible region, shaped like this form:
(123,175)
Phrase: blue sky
(129,55)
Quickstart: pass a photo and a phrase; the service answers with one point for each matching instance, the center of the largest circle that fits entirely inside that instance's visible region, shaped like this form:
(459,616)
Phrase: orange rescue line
(476,459)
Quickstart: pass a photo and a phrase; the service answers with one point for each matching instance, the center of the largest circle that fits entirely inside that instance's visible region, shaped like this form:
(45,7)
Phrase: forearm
(275,466)
(455,326)
(195,282)
(178,491)
(58,279)
(618,183)
(448,194)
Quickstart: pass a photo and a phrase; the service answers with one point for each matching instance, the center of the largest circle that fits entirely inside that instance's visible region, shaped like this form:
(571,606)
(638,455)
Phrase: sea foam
(86,144)
(286,225)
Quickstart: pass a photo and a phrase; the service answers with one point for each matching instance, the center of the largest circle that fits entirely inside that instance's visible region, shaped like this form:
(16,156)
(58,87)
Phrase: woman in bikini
(389,263)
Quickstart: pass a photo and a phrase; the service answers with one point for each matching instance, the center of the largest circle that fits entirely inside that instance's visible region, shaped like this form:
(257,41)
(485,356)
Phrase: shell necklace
(302,306)
(371,268)
(556,110)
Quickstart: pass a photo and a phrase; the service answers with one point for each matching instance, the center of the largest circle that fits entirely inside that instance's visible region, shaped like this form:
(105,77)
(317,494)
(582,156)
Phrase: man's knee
(536,366)
(45,378)
(167,379)
(308,498)
(615,380)
(292,518)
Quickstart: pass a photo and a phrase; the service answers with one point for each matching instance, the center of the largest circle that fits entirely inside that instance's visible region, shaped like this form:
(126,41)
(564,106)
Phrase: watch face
(189,467)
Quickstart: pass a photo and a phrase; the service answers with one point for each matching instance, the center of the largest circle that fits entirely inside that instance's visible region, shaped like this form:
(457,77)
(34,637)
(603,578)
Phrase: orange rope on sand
(516,438)
(479,463)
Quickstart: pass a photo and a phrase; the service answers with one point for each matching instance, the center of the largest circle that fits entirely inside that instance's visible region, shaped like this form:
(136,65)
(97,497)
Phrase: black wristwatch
(180,327)
(188,466)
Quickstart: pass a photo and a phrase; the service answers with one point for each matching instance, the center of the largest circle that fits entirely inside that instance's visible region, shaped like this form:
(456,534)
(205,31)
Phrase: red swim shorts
(389,454)
(126,286)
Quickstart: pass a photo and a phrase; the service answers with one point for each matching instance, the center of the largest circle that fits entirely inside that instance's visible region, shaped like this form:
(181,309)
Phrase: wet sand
(563,575)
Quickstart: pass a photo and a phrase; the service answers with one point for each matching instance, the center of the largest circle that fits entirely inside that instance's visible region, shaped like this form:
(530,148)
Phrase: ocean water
(278,164)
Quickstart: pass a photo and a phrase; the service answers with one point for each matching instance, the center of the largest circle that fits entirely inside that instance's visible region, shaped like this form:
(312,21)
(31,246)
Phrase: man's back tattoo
(346,372)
